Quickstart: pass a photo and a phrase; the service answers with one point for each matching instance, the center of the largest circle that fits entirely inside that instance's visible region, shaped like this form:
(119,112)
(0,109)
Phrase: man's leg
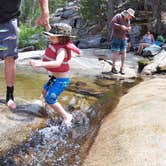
(114,58)
(123,57)
(10,69)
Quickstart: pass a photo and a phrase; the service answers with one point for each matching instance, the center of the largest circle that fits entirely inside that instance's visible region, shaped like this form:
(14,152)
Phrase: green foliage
(30,9)
(93,10)
(55,4)
(31,36)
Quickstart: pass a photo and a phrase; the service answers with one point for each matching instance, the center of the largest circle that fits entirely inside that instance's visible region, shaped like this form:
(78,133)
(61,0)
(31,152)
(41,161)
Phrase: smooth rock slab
(135,133)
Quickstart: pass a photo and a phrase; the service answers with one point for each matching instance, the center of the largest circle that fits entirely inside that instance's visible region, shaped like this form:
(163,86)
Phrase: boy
(56,61)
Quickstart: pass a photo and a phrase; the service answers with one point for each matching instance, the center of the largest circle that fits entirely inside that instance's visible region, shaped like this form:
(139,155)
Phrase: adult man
(9,12)
(120,27)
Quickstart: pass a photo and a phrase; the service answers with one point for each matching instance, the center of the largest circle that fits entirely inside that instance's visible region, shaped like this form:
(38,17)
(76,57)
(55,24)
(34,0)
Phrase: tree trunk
(156,10)
(110,14)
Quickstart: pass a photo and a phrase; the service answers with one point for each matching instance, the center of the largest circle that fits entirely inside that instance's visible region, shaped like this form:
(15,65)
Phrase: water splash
(55,144)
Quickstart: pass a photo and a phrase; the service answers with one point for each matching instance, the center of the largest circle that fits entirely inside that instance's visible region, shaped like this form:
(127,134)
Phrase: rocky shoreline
(88,64)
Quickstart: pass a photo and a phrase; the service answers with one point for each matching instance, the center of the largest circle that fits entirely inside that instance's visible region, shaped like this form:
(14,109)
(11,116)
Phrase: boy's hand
(35,63)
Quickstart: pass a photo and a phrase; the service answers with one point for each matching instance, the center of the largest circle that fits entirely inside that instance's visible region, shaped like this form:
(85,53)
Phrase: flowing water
(55,144)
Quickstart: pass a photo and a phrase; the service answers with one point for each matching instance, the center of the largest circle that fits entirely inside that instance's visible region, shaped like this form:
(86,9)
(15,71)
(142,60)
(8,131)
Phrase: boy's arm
(50,64)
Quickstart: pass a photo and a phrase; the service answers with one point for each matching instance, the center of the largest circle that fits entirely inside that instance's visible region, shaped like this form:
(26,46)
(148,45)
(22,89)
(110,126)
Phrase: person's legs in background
(114,58)
(141,47)
(123,57)
(115,47)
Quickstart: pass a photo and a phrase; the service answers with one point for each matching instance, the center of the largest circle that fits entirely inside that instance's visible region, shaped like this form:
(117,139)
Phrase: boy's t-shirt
(9,9)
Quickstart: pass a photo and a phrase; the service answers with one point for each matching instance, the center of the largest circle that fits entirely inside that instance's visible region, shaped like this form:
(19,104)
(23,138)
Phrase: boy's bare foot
(11,104)
(68,121)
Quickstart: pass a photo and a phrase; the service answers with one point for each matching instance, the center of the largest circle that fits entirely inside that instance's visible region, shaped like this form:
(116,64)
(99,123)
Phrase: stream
(90,100)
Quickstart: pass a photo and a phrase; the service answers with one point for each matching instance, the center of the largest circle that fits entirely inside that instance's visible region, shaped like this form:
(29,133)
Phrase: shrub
(31,36)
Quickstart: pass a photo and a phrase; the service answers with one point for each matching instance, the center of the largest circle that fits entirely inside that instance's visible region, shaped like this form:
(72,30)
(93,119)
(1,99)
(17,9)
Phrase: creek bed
(89,99)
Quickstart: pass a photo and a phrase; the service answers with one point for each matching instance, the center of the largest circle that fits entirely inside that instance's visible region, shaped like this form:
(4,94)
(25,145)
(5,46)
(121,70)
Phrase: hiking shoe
(122,72)
(114,70)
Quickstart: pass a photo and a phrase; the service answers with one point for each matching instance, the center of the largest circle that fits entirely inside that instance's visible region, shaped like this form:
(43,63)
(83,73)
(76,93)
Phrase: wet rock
(142,63)
(16,125)
(158,61)
(55,144)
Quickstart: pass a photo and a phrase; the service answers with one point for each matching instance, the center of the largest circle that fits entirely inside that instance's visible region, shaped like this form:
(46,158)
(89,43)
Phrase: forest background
(99,11)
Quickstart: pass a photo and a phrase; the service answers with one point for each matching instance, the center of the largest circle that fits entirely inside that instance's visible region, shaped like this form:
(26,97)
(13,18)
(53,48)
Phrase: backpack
(151,51)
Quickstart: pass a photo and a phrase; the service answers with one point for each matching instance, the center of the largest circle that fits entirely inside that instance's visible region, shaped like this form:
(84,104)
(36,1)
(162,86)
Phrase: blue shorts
(54,87)
(9,39)
(118,45)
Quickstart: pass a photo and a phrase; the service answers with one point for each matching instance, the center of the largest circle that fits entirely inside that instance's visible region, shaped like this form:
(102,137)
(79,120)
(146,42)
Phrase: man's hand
(43,20)
(125,28)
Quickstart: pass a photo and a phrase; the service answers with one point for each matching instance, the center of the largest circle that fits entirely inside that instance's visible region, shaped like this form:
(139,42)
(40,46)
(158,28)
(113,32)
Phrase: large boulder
(159,61)
(134,134)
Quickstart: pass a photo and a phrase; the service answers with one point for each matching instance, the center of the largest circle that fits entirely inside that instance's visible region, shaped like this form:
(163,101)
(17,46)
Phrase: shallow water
(55,144)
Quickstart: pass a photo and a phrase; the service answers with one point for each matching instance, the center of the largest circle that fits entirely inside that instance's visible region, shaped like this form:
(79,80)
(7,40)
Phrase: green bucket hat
(60,29)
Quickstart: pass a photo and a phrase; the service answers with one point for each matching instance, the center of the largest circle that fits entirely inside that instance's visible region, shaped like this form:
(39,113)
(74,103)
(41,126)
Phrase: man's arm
(43,20)
(116,24)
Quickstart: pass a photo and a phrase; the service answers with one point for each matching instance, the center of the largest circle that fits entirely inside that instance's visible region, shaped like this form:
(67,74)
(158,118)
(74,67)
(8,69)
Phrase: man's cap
(60,29)
(131,12)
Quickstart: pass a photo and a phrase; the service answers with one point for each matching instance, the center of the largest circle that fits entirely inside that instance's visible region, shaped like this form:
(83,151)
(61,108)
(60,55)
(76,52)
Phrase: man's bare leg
(123,57)
(114,58)
(10,70)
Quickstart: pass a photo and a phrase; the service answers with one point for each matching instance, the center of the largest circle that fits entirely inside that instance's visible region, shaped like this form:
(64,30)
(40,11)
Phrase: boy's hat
(131,12)
(60,29)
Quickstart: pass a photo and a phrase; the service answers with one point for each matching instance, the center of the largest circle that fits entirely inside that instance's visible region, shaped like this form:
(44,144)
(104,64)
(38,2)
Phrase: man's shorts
(118,45)
(9,39)
(54,87)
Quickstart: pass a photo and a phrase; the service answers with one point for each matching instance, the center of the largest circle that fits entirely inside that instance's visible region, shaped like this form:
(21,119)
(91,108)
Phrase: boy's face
(54,39)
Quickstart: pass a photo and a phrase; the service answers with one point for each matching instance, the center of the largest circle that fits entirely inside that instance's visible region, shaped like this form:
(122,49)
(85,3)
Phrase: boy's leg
(55,88)
(58,107)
